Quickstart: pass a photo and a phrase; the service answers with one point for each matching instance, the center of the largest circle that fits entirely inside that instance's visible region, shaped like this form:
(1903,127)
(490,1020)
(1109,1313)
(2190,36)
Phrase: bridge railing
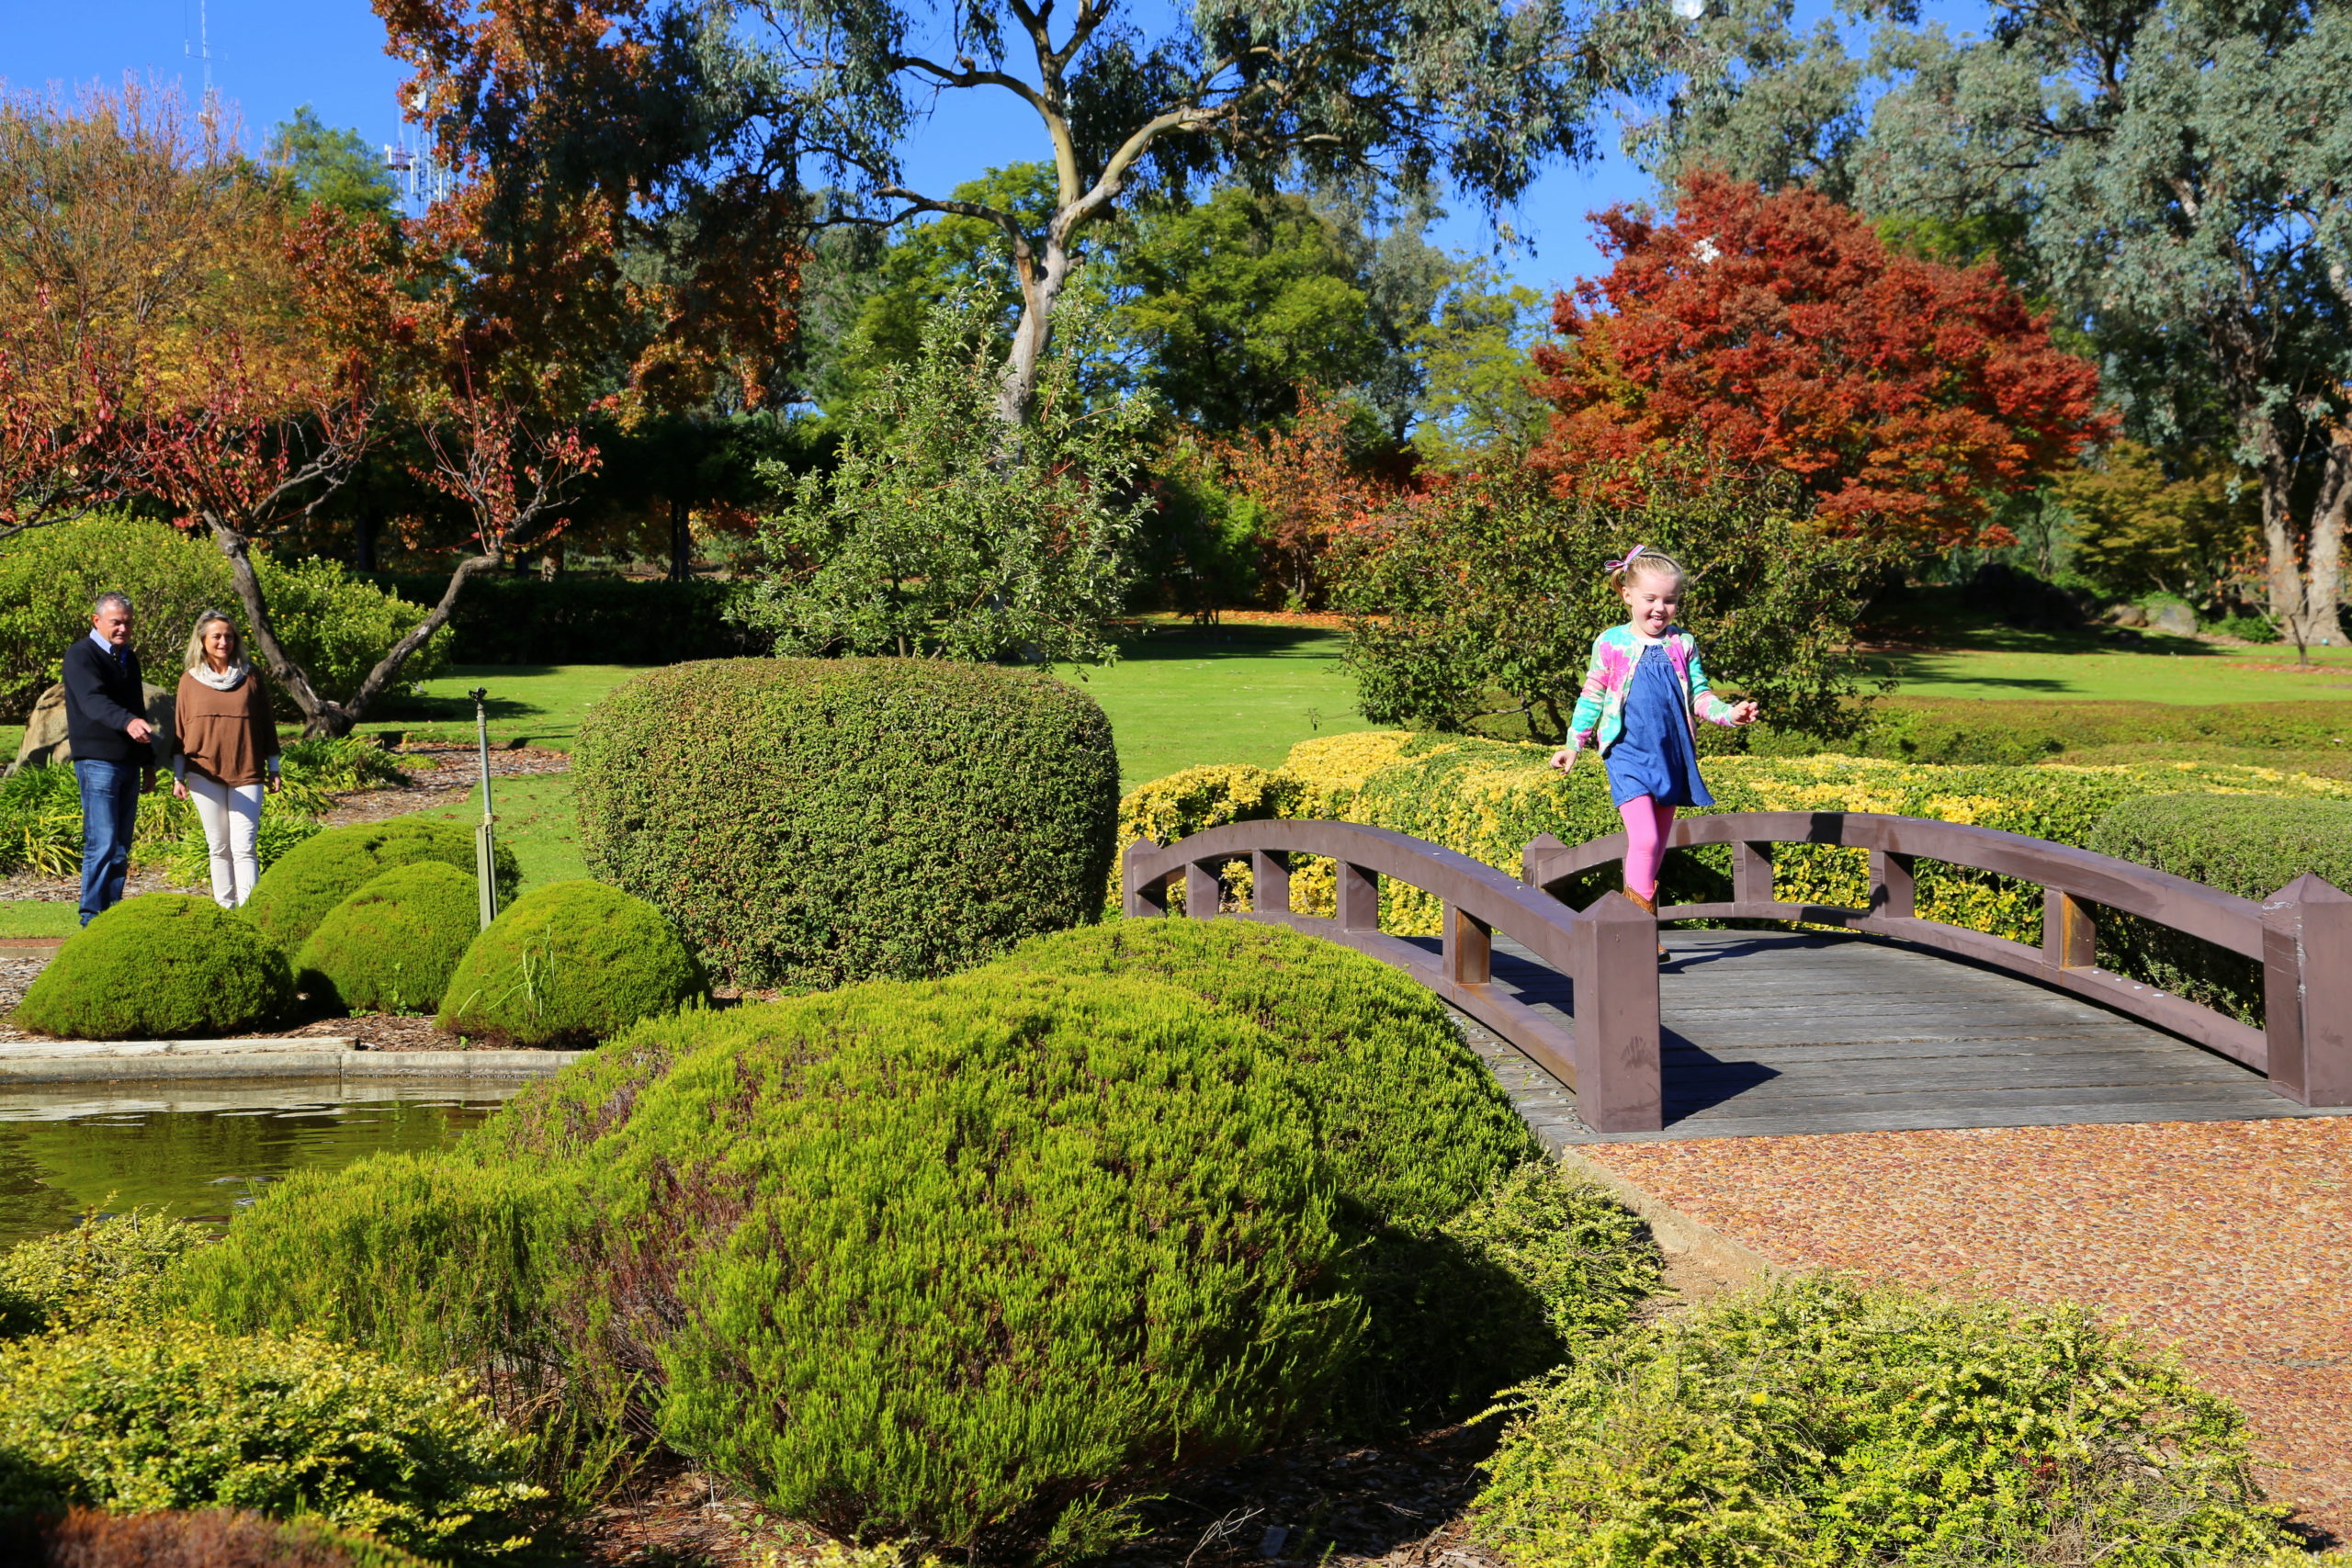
(1609,1059)
(2301,935)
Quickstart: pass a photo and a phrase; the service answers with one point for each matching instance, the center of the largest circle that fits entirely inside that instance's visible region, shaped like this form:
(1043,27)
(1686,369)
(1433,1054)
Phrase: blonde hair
(194,660)
(1647,563)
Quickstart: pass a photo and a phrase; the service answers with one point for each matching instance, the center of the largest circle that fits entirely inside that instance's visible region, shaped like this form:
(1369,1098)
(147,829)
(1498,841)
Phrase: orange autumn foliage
(1778,333)
(1309,494)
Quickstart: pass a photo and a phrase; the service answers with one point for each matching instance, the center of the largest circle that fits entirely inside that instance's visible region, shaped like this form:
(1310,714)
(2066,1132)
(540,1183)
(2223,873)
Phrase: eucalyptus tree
(712,116)
(2173,177)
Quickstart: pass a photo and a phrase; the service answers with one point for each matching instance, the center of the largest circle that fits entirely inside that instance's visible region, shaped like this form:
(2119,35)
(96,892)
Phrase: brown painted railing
(2302,935)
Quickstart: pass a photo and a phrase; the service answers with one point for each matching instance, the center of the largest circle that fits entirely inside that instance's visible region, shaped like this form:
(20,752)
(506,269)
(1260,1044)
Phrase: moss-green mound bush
(960,1259)
(212,1537)
(160,966)
(809,822)
(105,1269)
(1818,1422)
(393,945)
(176,1415)
(570,963)
(312,877)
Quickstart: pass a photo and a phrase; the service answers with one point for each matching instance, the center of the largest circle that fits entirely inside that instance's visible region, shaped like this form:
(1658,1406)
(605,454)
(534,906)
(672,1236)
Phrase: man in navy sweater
(107,728)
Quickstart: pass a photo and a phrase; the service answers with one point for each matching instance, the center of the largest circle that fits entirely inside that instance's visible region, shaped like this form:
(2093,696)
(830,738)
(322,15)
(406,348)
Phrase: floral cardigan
(1611,676)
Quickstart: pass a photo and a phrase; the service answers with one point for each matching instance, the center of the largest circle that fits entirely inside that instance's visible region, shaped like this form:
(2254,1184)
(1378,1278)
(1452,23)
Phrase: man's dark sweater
(103,694)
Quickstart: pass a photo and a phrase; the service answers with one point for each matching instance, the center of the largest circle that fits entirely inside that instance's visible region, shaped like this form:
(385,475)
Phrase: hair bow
(1617,566)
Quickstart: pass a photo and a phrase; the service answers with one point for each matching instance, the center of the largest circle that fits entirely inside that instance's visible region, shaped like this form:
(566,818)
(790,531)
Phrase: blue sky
(271,56)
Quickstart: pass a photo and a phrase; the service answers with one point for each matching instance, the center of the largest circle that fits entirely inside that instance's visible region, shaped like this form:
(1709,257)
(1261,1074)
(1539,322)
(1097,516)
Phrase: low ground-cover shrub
(809,822)
(393,945)
(105,1269)
(296,894)
(570,963)
(201,1537)
(160,966)
(1821,1423)
(171,1414)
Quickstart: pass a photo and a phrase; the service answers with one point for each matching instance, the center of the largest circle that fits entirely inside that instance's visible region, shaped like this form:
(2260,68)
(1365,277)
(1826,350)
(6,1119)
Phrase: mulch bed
(2230,1242)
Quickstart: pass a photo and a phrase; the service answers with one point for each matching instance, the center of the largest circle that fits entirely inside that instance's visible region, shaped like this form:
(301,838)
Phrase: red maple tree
(1309,491)
(1778,331)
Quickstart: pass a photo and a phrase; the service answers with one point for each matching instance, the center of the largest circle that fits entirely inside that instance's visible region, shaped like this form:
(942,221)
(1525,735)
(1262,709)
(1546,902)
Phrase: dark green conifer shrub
(391,946)
(160,966)
(1820,1422)
(311,878)
(809,822)
(569,965)
(966,1260)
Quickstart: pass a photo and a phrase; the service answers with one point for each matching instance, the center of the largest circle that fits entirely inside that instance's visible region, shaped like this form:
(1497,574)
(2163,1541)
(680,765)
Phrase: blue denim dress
(1655,755)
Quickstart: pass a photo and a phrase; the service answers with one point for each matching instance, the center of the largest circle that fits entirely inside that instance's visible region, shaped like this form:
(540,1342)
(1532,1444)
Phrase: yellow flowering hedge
(1487,798)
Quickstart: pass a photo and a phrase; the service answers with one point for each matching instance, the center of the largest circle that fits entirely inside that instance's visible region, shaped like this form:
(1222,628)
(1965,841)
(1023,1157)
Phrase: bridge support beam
(1359,898)
(1142,898)
(1469,948)
(1620,1084)
(2307,991)
(1269,882)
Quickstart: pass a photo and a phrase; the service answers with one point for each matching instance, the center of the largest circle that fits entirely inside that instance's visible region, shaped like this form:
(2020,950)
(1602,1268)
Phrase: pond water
(204,1151)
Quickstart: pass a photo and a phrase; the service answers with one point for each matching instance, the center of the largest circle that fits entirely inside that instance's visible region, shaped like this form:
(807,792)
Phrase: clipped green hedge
(296,894)
(809,822)
(176,1415)
(570,963)
(1817,1421)
(393,945)
(160,966)
(1968,730)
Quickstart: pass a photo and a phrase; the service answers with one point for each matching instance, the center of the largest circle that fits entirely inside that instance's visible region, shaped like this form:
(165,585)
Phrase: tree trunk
(1039,290)
(2304,565)
(681,540)
(320,716)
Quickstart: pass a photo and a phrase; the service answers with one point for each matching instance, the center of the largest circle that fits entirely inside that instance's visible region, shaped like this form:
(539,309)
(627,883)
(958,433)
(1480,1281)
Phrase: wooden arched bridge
(1754,1032)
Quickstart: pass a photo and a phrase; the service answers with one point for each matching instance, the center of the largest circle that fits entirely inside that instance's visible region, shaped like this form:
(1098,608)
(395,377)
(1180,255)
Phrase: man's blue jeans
(109,811)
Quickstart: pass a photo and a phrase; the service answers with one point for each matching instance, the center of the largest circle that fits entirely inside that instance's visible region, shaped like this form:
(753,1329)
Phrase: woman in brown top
(225,746)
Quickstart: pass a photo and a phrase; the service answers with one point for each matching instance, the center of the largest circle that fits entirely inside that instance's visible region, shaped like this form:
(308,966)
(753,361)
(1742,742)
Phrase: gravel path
(2228,1241)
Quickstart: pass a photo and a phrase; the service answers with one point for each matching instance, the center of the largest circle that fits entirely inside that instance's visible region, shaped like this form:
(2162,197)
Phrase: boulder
(45,742)
(2173,620)
(2127,615)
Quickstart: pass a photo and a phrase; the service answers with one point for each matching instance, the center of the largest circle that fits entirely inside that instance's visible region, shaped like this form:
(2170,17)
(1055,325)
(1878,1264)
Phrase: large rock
(45,743)
(2175,620)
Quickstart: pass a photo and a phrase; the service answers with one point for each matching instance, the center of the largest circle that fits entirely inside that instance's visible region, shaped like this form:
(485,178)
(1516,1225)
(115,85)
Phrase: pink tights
(1646,825)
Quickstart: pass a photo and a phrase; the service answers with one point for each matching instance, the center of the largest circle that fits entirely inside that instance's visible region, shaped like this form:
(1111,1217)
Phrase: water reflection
(202,1151)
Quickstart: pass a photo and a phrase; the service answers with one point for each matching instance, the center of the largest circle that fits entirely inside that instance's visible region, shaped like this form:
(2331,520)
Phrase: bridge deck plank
(1770,1034)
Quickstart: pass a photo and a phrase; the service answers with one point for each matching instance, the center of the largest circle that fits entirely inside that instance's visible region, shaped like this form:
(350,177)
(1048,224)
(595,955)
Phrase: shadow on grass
(1155,643)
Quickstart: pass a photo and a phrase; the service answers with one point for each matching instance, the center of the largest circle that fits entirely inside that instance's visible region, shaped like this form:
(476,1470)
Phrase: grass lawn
(541,704)
(536,820)
(30,916)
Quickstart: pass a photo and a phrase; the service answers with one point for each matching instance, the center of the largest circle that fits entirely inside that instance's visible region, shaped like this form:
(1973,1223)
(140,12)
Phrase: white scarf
(228,679)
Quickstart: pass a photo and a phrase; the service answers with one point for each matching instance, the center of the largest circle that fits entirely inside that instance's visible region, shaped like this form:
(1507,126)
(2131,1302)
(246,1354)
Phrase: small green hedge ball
(569,965)
(311,878)
(161,966)
(391,946)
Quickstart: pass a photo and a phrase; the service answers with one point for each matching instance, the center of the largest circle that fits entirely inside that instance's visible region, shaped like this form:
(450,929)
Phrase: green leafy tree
(920,543)
(333,167)
(725,112)
(1475,404)
(2167,522)
(1482,601)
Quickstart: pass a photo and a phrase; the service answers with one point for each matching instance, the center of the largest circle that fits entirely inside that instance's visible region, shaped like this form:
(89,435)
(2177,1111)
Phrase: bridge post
(1140,901)
(1203,893)
(1359,898)
(2069,935)
(1894,891)
(2307,991)
(1620,1080)
(1269,882)
(1469,948)
(1751,873)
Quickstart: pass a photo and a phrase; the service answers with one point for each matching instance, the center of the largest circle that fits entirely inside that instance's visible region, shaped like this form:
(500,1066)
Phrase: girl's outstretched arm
(1709,706)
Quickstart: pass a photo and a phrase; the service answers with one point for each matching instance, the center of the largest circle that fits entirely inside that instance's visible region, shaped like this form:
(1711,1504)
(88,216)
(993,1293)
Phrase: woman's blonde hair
(194,660)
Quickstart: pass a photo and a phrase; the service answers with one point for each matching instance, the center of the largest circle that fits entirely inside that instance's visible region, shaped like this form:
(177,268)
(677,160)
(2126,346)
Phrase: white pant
(230,818)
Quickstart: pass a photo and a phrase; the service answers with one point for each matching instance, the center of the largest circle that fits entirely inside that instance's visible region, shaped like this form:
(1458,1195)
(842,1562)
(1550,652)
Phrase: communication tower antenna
(202,49)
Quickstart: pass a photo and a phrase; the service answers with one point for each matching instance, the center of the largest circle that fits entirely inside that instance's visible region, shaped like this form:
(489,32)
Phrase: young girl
(1644,692)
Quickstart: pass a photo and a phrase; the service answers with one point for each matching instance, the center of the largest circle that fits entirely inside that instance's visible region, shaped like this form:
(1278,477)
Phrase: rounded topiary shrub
(391,946)
(1817,1421)
(570,963)
(312,877)
(161,966)
(808,822)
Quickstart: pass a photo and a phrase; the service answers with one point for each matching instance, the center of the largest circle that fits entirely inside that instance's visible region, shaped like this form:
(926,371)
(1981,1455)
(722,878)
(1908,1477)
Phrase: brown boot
(1649,908)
